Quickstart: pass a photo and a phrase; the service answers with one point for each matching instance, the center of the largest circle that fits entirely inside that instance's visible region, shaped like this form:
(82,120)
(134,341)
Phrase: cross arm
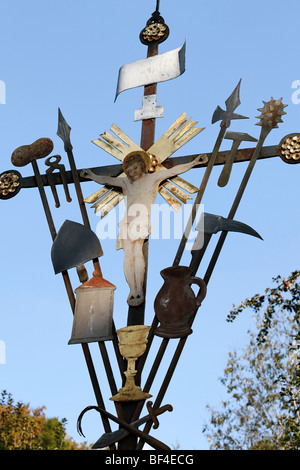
(243,155)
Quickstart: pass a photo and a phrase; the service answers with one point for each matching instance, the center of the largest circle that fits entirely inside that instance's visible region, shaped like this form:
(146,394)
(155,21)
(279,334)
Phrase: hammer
(26,154)
(237,138)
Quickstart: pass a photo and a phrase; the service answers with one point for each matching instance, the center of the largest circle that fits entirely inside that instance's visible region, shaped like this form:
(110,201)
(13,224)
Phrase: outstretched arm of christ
(102,179)
(179,169)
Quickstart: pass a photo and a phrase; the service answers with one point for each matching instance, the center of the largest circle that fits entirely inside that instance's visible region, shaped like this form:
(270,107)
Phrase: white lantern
(93,311)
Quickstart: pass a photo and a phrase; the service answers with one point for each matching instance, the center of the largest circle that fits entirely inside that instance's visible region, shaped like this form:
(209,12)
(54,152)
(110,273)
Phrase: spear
(63,131)
(225,117)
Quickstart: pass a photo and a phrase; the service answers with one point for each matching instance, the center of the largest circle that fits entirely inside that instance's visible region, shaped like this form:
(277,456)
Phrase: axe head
(221,115)
(231,104)
(73,246)
(216,223)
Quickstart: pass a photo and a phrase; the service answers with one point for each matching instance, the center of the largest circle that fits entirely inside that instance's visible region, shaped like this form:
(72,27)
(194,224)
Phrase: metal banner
(159,68)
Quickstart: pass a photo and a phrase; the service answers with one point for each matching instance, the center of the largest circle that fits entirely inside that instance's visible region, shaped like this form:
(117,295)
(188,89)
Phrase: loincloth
(132,232)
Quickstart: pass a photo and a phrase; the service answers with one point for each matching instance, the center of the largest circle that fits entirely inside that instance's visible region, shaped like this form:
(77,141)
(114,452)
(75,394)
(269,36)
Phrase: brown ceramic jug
(176,304)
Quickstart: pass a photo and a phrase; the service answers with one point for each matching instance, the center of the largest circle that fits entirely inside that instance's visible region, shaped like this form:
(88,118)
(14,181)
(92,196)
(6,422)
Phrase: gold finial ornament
(155,30)
(10,184)
(289,148)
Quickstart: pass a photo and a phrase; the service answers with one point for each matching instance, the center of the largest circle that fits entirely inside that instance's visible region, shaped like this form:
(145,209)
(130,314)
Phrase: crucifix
(143,172)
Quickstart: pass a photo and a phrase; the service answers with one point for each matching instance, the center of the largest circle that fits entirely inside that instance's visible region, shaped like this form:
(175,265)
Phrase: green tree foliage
(262,381)
(24,429)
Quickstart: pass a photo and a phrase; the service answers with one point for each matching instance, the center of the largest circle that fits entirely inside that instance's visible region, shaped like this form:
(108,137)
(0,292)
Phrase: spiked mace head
(271,114)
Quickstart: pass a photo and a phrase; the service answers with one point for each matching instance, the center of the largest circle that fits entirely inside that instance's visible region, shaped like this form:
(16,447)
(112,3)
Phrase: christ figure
(139,189)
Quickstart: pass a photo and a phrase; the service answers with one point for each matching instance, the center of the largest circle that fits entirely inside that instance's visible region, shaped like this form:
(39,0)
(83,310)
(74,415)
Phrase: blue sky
(67,54)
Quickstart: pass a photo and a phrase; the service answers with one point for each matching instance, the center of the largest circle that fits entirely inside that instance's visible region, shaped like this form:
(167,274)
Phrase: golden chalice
(132,345)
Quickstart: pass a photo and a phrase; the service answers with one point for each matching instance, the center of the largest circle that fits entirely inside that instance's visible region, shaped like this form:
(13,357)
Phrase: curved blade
(215,223)
(235,226)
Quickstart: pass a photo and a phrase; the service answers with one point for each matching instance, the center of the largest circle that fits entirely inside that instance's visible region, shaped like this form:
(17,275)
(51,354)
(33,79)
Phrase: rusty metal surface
(56,165)
(111,438)
(243,155)
(238,138)
(153,442)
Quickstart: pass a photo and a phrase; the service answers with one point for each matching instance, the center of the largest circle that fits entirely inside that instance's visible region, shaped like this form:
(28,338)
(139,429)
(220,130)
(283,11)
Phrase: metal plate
(74,245)
(156,69)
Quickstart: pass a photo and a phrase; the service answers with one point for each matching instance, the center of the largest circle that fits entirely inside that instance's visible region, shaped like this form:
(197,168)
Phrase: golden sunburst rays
(174,190)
